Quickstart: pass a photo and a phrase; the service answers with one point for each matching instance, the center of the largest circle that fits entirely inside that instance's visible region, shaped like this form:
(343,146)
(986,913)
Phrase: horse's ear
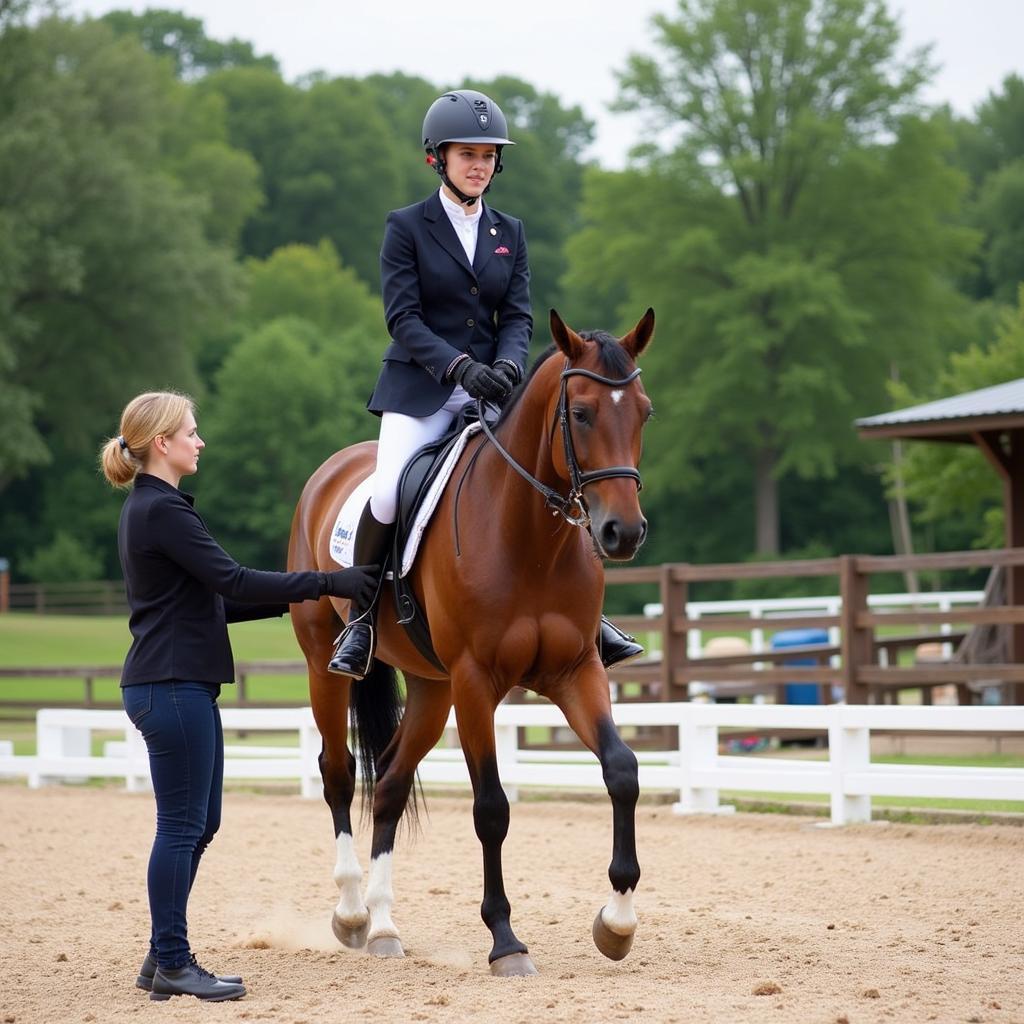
(565,337)
(639,338)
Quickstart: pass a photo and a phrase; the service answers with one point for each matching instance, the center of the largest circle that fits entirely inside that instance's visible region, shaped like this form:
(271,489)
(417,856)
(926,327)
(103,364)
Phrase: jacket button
(470,322)
(474,290)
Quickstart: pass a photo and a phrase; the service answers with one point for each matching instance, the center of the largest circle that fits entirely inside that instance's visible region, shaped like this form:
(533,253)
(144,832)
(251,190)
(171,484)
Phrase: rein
(573,507)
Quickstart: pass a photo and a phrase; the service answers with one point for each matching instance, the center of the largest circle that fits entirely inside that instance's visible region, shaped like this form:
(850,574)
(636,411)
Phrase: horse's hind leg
(315,626)
(475,702)
(587,708)
(427,704)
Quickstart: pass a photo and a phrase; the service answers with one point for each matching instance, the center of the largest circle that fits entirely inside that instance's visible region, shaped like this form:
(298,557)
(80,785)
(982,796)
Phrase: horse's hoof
(515,965)
(385,945)
(612,944)
(354,938)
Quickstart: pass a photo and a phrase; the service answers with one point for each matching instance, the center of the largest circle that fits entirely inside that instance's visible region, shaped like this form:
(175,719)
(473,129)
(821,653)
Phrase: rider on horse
(455,284)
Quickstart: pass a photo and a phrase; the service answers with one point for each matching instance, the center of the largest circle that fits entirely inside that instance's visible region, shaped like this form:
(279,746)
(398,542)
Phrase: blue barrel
(800,693)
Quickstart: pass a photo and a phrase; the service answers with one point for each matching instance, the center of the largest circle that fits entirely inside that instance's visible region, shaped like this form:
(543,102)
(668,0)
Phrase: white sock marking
(348,873)
(618,914)
(380,897)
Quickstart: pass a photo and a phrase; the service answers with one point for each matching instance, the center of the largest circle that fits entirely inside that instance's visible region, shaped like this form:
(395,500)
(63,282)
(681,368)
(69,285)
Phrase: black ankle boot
(193,980)
(615,646)
(357,643)
(148,969)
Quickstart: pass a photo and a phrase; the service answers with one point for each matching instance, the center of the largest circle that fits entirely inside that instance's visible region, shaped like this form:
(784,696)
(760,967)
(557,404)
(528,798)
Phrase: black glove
(480,381)
(508,371)
(359,583)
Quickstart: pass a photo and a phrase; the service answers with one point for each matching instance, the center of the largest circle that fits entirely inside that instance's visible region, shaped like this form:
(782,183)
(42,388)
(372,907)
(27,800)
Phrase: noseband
(573,507)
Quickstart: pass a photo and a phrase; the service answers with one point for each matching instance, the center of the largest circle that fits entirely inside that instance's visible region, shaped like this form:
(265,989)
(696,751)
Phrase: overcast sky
(569,47)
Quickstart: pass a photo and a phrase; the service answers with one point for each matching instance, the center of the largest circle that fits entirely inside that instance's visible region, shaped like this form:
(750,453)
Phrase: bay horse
(510,576)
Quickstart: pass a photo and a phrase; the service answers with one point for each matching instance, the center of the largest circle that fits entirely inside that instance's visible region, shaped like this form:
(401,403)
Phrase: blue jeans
(180,722)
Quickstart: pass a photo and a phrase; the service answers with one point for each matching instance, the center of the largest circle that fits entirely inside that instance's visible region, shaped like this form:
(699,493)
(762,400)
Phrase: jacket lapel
(488,238)
(443,232)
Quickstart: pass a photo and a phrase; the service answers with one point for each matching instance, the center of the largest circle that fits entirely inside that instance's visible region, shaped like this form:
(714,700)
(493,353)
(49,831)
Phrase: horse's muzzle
(617,538)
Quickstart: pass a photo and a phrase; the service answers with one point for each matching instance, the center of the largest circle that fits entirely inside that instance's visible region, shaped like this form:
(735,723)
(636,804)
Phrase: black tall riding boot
(353,654)
(615,646)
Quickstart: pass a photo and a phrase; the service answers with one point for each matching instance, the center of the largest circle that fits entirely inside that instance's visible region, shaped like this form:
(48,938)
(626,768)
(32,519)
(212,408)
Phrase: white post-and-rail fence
(696,770)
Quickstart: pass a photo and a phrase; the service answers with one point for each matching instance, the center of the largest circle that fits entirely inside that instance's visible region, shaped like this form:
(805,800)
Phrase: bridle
(573,507)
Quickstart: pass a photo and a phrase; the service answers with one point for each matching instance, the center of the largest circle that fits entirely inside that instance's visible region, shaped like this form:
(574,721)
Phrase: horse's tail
(375,711)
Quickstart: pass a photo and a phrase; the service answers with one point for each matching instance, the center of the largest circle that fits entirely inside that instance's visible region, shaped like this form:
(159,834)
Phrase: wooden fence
(98,597)
(867,665)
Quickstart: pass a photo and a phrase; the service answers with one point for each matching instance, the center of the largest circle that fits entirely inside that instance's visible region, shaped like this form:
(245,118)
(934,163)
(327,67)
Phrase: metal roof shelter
(993,419)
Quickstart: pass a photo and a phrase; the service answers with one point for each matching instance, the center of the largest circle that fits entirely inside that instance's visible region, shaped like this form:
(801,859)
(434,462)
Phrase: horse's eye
(580,415)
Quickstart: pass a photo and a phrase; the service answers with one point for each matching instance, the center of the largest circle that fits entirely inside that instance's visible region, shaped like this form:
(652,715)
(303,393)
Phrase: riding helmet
(463,115)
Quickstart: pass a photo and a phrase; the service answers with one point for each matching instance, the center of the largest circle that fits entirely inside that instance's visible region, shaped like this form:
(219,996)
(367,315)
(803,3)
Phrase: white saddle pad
(343,534)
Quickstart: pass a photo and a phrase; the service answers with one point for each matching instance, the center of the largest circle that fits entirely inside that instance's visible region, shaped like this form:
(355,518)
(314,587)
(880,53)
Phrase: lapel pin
(494,231)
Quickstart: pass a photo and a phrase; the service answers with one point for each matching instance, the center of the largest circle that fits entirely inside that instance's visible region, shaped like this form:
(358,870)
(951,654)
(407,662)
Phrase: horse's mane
(614,358)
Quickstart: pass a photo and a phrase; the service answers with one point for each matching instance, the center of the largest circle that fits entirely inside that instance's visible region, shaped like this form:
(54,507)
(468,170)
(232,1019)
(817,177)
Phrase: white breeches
(400,436)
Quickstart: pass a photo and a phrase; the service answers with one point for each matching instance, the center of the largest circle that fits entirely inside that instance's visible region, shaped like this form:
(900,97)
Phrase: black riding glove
(508,371)
(358,583)
(480,381)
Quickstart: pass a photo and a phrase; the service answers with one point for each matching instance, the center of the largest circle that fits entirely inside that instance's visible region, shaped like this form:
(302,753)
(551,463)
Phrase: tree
(183,40)
(542,183)
(283,404)
(954,484)
(299,281)
(65,559)
(106,270)
(794,238)
(329,162)
(991,149)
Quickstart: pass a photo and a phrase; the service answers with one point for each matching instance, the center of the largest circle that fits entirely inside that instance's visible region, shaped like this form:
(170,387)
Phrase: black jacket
(177,578)
(437,306)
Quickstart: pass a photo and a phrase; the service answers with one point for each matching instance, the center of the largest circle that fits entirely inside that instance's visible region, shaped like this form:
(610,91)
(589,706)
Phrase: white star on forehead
(616,396)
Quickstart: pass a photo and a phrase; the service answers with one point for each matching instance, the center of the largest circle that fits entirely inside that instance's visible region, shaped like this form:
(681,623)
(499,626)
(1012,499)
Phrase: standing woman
(456,288)
(183,589)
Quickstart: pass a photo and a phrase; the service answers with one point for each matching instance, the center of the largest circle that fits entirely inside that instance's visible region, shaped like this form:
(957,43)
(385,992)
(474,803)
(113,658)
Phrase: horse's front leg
(475,700)
(587,707)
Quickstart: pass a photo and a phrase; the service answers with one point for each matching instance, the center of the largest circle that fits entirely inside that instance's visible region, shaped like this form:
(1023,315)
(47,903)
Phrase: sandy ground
(869,923)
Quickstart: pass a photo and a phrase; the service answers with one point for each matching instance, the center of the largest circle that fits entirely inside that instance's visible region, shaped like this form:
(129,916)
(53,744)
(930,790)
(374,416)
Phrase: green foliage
(991,149)
(541,183)
(283,404)
(999,213)
(64,559)
(312,284)
(109,269)
(947,482)
(183,40)
(795,242)
(174,213)
(329,161)
(230,179)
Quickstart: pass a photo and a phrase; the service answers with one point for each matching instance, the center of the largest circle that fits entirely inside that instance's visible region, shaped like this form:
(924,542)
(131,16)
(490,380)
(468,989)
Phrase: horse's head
(604,408)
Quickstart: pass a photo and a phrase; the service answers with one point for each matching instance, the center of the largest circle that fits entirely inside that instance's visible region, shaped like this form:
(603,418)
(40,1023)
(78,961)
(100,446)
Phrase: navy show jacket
(438,305)
(183,588)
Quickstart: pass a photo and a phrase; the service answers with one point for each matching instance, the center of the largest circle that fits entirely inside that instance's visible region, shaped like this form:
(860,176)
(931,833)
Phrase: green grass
(929,803)
(925,803)
(104,640)
(36,640)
